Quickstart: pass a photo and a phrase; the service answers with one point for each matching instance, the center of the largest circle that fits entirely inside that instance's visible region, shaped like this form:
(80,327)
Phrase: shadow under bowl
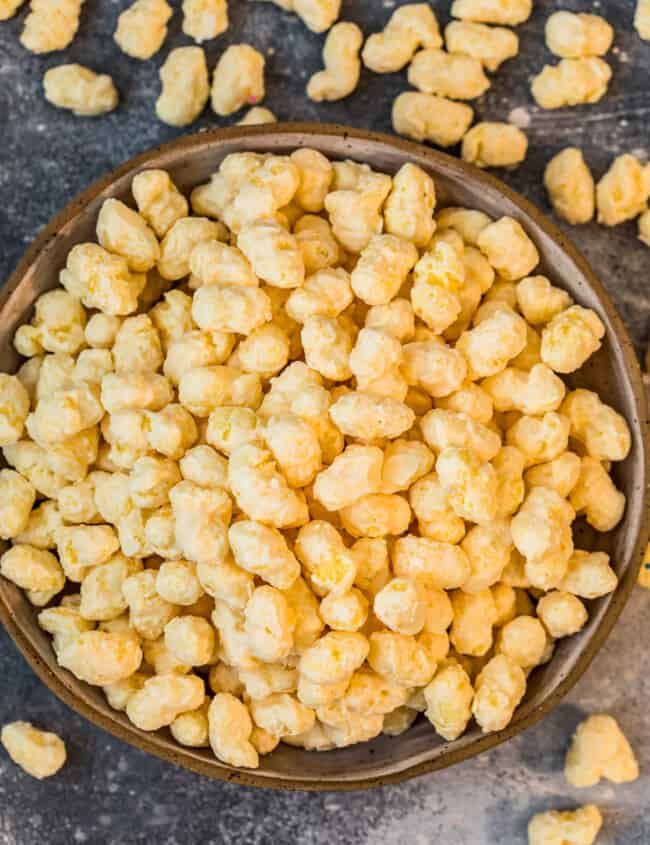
(613,372)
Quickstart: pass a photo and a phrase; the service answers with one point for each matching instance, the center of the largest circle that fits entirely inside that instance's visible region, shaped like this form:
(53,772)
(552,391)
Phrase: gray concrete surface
(111,793)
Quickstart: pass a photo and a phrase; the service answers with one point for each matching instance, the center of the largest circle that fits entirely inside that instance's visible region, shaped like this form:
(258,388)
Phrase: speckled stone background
(112,793)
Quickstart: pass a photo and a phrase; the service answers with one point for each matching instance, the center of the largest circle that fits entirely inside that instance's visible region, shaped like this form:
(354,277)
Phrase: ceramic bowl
(613,372)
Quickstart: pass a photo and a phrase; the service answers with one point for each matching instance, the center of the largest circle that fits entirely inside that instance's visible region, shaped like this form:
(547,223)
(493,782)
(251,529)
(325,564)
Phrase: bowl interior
(613,372)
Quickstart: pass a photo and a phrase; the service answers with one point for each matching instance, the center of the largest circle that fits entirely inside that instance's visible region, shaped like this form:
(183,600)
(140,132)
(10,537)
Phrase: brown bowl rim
(452,756)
